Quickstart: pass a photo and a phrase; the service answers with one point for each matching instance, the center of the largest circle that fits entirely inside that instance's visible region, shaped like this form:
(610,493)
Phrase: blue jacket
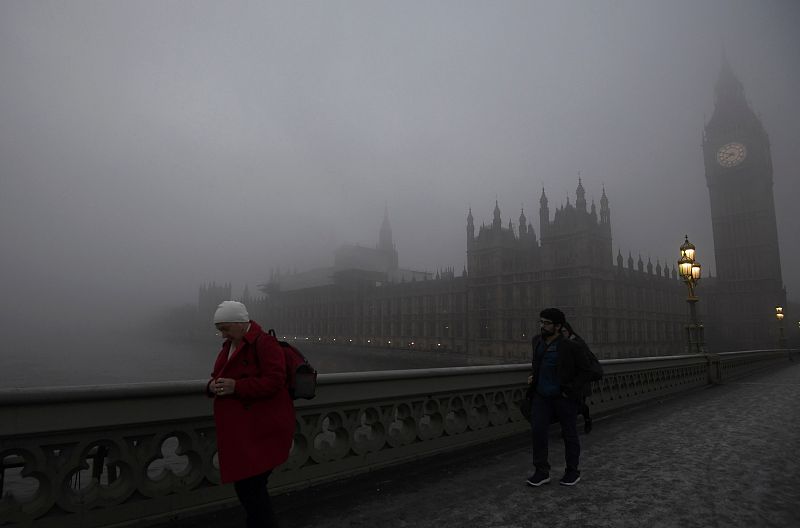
(573,368)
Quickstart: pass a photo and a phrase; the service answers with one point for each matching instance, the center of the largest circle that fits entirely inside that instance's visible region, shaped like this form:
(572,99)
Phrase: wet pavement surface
(718,457)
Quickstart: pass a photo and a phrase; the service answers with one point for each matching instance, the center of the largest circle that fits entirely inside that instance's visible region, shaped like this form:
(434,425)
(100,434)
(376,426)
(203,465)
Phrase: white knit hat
(231,312)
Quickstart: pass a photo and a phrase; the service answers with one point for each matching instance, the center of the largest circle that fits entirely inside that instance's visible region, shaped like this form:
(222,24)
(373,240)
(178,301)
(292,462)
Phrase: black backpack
(301,377)
(595,367)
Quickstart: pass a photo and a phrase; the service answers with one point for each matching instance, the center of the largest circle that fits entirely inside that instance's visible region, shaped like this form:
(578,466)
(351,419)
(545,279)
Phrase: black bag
(595,367)
(301,377)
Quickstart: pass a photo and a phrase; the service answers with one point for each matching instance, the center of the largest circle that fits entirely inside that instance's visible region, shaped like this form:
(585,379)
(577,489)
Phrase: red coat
(255,425)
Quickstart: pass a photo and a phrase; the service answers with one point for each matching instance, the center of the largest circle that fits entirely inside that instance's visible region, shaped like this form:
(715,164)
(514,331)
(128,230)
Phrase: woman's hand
(223,386)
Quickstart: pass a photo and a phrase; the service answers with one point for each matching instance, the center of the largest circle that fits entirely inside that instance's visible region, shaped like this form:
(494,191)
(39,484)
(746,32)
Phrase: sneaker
(570,478)
(537,479)
(587,425)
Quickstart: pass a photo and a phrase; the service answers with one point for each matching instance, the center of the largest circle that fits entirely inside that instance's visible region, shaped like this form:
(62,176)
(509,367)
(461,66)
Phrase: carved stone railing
(109,455)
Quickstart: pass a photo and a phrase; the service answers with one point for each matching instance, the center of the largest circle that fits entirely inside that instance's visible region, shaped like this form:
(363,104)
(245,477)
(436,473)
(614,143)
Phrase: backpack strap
(284,343)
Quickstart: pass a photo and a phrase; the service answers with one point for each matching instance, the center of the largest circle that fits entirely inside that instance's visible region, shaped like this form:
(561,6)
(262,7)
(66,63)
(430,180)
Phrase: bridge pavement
(719,457)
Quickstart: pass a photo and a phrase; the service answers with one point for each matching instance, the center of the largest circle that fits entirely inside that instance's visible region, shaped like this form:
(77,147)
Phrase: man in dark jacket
(559,371)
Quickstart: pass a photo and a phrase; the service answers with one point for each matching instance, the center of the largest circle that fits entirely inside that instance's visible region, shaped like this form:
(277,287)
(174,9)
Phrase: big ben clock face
(731,154)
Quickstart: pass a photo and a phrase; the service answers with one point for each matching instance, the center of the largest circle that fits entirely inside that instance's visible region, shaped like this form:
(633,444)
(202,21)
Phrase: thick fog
(147,148)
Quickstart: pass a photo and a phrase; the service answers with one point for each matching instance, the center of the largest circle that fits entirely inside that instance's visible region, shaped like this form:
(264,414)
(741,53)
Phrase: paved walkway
(719,457)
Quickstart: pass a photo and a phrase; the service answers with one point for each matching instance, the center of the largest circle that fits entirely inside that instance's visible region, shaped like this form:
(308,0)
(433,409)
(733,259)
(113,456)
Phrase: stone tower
(738,167)
(385,243)
(576,236)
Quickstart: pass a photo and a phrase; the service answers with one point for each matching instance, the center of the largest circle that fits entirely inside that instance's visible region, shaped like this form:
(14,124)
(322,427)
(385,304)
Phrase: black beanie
(553,314)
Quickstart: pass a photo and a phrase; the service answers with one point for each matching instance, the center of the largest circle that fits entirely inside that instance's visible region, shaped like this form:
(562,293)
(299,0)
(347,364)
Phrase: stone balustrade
(111,455)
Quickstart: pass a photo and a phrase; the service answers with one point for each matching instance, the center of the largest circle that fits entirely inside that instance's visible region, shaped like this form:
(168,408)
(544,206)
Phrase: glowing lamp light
(779,316)
(690,271)
(685,267)
(696,271)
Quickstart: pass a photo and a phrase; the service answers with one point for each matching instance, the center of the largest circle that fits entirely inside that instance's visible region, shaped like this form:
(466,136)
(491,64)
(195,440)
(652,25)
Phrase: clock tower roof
(728,88)
(731,109)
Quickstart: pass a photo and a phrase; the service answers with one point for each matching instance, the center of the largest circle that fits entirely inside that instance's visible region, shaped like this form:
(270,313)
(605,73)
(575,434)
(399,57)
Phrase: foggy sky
(149,147)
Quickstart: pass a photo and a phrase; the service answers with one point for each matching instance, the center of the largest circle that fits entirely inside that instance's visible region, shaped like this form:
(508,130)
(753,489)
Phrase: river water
(57,362)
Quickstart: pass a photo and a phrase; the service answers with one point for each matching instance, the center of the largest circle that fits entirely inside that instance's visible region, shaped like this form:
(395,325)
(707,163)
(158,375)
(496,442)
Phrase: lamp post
(779,316)
(690,269)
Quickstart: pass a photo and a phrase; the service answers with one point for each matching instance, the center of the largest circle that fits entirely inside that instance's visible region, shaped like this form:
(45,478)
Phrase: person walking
(559,371)
(583,409)
(253,411)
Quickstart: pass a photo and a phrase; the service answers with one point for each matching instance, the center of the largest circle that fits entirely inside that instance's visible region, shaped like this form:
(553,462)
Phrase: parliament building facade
(492,307)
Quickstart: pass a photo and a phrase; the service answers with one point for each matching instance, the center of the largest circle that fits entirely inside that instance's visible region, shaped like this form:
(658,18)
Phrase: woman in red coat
(253,411)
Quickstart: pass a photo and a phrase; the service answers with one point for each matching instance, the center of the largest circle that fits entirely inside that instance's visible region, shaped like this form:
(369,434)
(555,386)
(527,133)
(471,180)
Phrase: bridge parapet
(106,455)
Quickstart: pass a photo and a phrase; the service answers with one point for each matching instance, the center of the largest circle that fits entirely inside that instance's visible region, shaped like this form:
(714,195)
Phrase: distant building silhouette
(622,309)
(209,297)
(491,308)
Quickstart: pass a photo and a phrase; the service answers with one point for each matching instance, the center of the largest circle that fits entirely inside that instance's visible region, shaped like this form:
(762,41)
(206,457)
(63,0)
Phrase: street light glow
(687,249)
(691,271)
(696,271)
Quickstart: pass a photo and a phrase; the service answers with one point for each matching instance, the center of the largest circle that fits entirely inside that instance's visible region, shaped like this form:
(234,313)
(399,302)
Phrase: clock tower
(738,167)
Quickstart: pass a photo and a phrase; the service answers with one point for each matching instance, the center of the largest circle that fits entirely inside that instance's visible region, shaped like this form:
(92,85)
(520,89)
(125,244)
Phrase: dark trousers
(543,410)
(253,495)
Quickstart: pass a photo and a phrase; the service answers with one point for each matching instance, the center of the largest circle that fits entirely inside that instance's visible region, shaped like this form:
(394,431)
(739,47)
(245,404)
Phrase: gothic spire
(385,236)
(544,214)
(605,212)
(731,109)
(580,195)
(728,88)
(496,223)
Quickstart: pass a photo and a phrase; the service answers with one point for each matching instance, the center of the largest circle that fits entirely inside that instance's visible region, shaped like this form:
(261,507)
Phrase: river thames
(63,362)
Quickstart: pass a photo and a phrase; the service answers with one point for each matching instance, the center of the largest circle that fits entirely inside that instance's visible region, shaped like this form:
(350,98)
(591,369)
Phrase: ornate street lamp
(690,271)
(779,316)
